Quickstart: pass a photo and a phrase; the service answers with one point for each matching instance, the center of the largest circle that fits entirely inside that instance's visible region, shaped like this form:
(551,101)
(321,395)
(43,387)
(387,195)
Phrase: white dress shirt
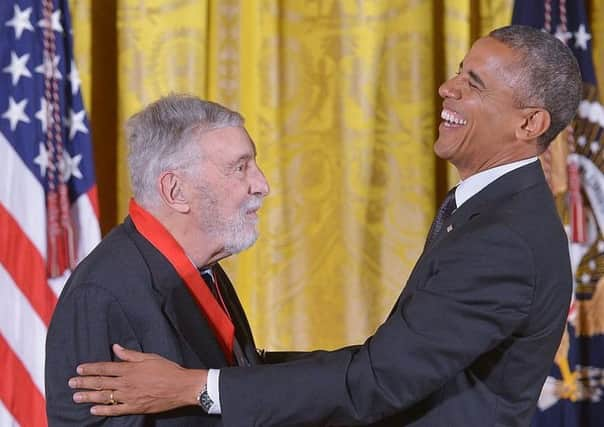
(473,184)
(464,191)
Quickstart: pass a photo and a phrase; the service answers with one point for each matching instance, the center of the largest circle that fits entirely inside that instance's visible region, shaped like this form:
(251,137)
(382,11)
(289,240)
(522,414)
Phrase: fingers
(109,400)
(127,355)
(95,383)
(132,355)
(107,397)
(99,368)
(111,410)
(115,368)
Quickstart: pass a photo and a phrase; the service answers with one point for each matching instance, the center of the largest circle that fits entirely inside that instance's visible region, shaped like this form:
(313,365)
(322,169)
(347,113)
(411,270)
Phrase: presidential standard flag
(572,394)
(48,202)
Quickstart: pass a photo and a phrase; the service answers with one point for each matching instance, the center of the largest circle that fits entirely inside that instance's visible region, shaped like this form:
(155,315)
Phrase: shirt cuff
(213,390)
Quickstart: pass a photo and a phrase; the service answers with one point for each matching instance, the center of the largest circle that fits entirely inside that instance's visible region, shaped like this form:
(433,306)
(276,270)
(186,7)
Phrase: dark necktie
(208,277)
(444,212)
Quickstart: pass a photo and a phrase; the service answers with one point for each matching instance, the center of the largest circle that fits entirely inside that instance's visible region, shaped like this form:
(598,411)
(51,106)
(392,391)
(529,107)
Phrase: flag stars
(20,21)
(42,159)
(74,78)
(18,67)
(582,37)
(70,166)
(76,123)
(42,113)
(55,22)
(16,112)
(49,69)
(563,36)
(594,147)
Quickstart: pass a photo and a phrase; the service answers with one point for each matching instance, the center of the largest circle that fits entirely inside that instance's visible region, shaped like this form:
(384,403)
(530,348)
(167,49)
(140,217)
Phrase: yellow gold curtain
(341,99)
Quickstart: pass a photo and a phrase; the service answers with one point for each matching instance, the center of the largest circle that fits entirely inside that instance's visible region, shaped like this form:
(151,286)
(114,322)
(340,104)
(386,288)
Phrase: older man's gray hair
(160,138)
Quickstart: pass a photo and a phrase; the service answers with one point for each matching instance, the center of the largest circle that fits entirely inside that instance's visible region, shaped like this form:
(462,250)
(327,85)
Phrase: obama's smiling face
(480,118)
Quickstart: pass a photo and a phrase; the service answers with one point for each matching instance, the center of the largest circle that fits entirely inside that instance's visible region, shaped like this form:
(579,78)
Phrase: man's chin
(440,150)
(239,243)
(444,148)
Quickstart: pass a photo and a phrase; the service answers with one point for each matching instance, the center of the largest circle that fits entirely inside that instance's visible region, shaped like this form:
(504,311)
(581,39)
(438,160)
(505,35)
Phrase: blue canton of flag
(572,394)
(48,202)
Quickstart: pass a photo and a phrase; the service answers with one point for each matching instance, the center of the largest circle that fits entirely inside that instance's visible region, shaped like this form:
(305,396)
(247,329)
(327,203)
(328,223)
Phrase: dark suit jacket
(468,344)
(126,292)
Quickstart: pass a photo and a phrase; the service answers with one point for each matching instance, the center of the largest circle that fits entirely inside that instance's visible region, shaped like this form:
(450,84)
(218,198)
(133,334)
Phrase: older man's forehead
(223,139)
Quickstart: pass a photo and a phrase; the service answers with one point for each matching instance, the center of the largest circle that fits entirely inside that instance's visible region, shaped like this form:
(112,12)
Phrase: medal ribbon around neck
(164,242)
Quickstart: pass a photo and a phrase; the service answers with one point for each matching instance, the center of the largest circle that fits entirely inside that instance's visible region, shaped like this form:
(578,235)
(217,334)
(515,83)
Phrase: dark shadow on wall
(441,172)
(440,166)
(103,107)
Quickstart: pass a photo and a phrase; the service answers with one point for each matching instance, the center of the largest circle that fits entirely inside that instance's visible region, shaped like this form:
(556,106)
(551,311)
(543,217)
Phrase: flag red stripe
(18,392)
(26,266)
(94,200)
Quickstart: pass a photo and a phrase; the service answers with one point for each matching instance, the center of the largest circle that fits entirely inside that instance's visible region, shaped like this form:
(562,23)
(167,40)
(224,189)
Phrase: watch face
(205,401)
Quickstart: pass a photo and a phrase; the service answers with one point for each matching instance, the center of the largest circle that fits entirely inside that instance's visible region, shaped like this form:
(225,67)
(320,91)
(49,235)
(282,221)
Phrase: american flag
(573,394)
(48,201)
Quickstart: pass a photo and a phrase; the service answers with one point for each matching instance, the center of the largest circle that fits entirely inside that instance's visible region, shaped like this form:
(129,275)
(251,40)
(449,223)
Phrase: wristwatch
(204,399)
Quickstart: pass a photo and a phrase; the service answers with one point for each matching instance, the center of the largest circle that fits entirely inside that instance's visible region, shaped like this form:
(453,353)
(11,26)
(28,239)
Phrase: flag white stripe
(6,419)
(23,196)
(28,209)
(22,328)
(88,235)
(56,283)
(86,225)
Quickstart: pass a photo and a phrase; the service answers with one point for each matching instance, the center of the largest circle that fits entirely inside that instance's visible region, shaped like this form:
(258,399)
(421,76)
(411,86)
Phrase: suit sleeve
(87,321)
(478,292)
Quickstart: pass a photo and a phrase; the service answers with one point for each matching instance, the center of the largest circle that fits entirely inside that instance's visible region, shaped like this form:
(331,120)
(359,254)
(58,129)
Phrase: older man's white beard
(241,233)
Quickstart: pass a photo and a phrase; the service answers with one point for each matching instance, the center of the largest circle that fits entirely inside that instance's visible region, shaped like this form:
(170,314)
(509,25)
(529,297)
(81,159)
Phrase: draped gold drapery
(340,97)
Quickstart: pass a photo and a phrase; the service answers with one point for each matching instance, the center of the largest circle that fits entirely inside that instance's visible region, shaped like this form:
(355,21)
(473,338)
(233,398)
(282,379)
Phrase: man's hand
(141,384)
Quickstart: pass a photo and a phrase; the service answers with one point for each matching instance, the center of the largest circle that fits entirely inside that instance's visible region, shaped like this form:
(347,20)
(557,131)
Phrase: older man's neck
(201,257)
(201,248)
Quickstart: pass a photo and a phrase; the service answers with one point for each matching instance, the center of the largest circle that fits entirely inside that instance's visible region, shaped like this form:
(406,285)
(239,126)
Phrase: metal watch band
(204,399)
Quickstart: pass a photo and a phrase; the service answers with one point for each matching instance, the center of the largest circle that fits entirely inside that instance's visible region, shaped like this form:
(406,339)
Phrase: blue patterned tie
(446,209)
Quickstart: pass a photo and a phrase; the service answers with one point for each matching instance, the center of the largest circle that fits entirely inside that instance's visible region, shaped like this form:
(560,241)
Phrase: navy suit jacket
(126,292)
(469,342)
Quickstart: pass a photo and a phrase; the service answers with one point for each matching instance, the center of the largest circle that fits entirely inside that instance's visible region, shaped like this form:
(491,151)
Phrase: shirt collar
(473,184)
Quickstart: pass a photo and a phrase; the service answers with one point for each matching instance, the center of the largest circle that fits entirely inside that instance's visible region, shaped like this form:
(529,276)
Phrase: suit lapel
(178,305)
(493,196)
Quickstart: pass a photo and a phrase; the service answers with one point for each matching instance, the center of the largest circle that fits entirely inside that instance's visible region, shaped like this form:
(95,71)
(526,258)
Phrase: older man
(154,283)
(473,334)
